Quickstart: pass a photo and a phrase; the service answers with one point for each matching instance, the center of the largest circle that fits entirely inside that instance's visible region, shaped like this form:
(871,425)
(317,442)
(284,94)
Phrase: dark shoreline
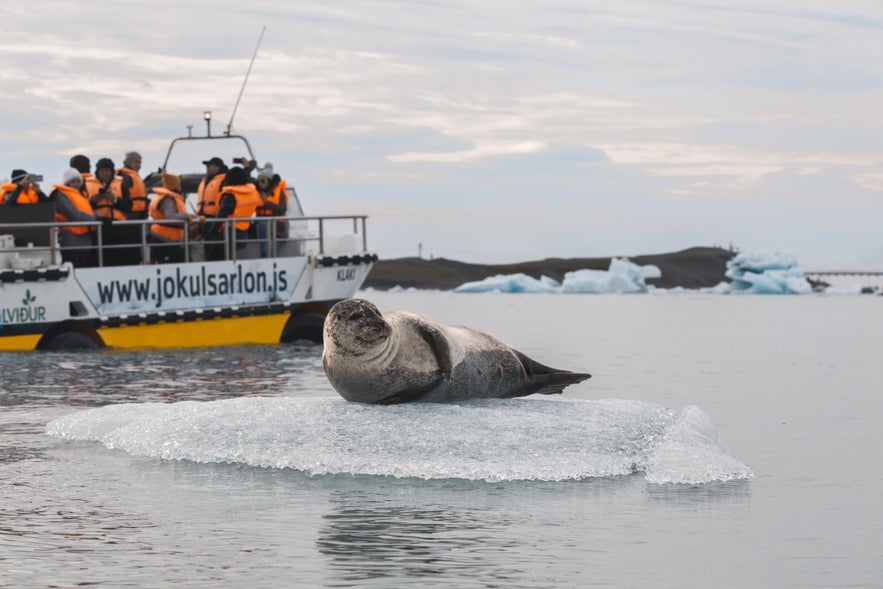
(695,267)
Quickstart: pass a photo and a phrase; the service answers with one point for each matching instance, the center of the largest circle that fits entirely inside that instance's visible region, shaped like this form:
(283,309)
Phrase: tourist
(274,203)
(72,206)
(168,204)
(239,199)
(23,188)
(82,164)
(105,193)
(209,190)
(133,185)
(110,204)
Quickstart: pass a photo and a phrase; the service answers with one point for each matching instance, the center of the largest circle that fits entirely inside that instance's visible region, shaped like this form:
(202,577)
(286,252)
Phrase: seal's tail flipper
(548,381)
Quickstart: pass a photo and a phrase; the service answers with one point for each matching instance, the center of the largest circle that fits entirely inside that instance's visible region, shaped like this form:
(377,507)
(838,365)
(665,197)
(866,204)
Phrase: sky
(490,131)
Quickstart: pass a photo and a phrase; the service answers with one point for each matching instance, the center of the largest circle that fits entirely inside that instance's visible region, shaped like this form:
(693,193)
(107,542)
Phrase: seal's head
(355,326)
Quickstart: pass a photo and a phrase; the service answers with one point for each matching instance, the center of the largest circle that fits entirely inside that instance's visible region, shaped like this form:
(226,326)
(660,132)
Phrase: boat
(48,304)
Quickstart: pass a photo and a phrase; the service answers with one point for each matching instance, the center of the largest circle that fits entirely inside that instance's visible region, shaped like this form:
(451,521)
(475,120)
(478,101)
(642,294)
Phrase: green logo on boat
(28,312)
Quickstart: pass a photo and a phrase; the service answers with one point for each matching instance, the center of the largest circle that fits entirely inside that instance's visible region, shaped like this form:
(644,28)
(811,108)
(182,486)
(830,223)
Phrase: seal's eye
(356,316)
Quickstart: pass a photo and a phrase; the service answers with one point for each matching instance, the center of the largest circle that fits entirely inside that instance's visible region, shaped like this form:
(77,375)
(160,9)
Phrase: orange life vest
(138,192)
(26,196)
(247,201)
(276,197)
(170,232)
(8,187)
(91,185)
(103,205)
(80,202)
(208,195)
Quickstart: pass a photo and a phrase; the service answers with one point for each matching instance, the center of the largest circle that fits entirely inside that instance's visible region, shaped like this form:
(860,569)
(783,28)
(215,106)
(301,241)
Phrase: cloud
(559,42)
(486,149)
(869,180)
(699,101)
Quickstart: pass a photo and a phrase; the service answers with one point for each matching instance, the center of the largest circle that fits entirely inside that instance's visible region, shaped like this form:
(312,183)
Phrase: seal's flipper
(545,380)
(439,345)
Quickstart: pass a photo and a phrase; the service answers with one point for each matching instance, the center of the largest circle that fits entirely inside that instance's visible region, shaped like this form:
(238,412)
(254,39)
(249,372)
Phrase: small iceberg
(622,276)
(774,273)
(512,283)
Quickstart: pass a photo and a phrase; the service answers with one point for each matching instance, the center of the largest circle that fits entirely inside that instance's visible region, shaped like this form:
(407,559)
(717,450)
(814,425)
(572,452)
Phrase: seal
(403,357)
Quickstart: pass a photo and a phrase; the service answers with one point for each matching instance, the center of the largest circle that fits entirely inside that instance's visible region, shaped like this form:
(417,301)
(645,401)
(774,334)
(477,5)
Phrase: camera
(35,177)
(239,160)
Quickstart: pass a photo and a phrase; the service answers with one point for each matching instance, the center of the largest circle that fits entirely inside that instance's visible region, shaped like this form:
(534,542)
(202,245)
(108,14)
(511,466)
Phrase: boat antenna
(241,90)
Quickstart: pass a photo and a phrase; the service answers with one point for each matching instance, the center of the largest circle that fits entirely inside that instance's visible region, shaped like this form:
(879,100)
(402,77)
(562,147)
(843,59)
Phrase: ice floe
(492,440)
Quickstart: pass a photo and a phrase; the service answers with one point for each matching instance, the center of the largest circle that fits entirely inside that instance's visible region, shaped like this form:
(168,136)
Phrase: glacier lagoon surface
(722,441)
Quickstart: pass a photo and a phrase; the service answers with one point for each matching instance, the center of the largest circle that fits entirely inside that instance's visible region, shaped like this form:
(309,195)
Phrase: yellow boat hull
(265,329)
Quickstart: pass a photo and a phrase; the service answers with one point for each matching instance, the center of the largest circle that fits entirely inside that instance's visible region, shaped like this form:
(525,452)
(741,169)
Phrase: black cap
(215,161)
(81,163)
(18,175)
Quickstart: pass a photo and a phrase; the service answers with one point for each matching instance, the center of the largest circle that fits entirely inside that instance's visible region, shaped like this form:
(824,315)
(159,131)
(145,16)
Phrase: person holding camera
(111,204)
(105,194)
(274,203)
(22,189)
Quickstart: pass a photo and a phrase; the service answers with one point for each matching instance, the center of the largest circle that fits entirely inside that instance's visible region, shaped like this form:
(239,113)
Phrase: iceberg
(751,273)
(622,276)
(511,283)
(775,273)
(493,440)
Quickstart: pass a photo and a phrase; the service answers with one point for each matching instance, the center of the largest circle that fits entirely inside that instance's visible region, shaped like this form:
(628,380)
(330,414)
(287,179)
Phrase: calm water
(241,467)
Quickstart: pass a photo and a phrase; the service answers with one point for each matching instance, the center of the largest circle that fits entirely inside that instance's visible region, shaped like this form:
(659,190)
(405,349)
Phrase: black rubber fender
(303,327)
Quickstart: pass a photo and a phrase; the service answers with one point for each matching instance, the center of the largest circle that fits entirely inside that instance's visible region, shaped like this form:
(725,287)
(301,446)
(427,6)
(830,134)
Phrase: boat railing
(36,243)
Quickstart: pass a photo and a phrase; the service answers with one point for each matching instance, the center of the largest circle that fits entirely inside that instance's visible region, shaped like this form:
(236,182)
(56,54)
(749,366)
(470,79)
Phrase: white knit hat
(70,175)
(266,171)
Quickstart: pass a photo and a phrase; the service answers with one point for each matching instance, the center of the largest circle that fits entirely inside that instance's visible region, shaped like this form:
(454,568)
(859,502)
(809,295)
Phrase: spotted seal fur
(404,357)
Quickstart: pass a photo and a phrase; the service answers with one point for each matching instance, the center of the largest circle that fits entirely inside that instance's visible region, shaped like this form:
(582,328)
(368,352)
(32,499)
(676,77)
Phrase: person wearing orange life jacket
(239,199)
(111,204)
(209,190)
(72,206)
(106,194)
(22,189)
(274,203)
(82,164)
(168,204)
(133,185)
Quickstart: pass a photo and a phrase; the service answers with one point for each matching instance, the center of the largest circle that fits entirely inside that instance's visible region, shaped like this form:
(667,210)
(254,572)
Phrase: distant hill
(691,268)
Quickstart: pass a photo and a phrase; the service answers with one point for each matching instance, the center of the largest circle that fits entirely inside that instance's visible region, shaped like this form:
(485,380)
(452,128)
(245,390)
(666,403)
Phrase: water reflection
(95,378)
(738,490)
(378,536)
